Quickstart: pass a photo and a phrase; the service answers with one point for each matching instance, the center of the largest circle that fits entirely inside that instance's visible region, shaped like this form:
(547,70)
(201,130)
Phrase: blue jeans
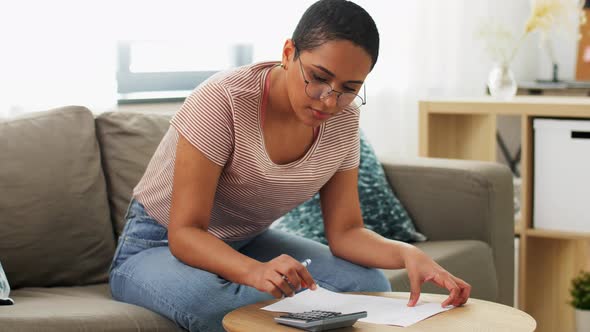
(145,273)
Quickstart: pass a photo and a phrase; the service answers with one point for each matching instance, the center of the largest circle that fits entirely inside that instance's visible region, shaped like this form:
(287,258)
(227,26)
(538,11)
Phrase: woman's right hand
(280,276)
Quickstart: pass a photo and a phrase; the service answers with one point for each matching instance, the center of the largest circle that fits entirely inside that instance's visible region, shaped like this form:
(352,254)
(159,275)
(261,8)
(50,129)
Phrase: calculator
(319,320)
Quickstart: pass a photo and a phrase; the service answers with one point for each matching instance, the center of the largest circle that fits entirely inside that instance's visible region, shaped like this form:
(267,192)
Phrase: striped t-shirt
(222,119)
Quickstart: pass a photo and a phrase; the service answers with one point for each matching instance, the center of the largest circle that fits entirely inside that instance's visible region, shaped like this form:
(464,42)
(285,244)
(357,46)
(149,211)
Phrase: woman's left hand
(422,268)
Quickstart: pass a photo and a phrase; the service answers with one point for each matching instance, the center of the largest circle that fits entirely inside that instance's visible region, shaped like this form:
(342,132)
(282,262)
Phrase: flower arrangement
(499,41)
(546,15)
(580,291)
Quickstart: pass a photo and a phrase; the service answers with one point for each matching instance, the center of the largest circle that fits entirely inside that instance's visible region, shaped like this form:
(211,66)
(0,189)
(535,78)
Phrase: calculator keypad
(310,316)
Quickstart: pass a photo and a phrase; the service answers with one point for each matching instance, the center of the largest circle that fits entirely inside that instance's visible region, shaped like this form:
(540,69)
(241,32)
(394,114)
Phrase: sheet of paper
(380,310)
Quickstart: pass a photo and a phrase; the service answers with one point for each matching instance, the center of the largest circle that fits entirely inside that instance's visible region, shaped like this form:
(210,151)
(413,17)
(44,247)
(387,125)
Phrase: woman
(245,148)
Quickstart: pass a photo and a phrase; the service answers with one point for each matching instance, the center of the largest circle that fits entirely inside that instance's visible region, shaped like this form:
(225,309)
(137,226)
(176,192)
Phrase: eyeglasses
(320,90)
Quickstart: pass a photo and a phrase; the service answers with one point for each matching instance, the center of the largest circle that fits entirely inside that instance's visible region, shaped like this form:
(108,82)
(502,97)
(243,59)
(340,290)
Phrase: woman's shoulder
(342,128)
(226,89)
(220,95)
(240,77)
(348,118)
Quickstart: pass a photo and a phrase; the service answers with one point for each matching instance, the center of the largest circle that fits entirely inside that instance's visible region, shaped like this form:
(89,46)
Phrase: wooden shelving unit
(548,260)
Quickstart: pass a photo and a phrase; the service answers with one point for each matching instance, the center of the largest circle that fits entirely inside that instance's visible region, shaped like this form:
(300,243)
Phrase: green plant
(580,291)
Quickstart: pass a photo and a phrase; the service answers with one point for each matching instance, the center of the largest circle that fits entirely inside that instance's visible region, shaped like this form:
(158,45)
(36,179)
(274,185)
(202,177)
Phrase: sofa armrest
(452,199)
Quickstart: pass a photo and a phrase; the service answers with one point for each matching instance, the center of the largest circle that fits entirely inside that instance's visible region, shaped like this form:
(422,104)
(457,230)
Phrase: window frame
(162,86)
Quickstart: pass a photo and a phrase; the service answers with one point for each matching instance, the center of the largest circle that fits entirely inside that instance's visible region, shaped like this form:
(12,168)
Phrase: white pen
(306,262)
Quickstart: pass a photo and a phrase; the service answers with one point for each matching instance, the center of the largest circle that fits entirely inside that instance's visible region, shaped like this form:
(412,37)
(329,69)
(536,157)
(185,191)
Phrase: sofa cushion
(54,215)
(469,260)
(87,308)
(127,142)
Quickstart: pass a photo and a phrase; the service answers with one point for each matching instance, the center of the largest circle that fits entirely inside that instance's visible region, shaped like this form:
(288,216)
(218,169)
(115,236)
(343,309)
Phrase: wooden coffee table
(475,315)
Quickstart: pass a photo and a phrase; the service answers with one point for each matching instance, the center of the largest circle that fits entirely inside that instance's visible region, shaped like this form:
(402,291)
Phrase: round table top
(475,315)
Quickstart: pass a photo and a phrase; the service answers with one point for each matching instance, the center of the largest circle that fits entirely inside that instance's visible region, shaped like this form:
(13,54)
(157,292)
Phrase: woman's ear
(288,54)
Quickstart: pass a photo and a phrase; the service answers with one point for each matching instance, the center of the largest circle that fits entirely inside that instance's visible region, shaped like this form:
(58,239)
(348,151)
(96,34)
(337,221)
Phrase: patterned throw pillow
(382,212)
(4,289)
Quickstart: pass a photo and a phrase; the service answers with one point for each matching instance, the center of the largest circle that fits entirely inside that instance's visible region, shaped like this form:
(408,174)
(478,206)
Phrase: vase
(501,82)
(582,320)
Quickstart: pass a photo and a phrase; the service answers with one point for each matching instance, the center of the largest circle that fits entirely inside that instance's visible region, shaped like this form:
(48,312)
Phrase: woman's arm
(194,187)
(344,225)
(348,239)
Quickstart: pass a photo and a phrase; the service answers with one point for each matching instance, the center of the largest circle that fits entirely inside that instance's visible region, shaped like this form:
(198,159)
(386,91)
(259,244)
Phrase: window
(152,71)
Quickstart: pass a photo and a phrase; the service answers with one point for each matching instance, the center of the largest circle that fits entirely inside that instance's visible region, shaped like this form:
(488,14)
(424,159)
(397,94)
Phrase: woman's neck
(278,106)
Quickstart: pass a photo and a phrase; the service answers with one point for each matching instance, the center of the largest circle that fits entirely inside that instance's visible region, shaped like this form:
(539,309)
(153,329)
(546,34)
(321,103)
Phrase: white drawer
(561,183)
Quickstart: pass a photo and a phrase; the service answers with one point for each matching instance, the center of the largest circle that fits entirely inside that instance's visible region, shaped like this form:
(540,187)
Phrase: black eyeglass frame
(328,94)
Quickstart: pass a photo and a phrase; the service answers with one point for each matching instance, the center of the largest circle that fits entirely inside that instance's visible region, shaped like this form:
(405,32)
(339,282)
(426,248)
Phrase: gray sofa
(65,181)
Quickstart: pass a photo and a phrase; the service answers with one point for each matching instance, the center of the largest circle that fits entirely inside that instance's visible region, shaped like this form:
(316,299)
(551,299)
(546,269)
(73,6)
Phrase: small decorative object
(501,48)
(580,293)
(501,81)
(501,45)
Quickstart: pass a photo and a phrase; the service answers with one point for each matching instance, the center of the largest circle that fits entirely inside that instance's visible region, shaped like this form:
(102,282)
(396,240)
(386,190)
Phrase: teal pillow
(382,211)
(4,289)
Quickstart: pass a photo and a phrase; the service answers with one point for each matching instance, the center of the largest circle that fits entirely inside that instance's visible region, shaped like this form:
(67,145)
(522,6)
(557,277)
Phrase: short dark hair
(328,20)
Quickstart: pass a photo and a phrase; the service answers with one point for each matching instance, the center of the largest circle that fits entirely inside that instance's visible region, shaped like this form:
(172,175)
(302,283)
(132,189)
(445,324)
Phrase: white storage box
(561,175)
